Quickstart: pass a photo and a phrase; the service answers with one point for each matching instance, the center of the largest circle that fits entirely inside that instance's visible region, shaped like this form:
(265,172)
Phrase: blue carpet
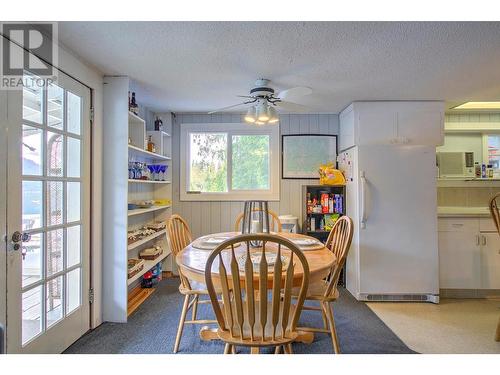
(152,329)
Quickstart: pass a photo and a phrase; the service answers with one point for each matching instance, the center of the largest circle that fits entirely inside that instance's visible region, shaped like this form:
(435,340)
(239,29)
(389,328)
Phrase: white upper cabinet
(392,123)
(346,134)
(424,127)
(377,127)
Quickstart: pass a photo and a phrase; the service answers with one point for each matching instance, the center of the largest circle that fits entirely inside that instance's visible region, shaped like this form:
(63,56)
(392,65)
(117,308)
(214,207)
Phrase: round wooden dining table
(192,261)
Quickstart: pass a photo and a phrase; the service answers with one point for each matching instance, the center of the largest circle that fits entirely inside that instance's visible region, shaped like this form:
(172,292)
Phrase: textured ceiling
(199,66)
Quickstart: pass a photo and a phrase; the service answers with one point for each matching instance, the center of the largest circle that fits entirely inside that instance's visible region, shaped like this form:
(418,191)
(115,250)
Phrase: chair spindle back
(275,224)
(246,314)
(494,211)
(179,236)
(339,241)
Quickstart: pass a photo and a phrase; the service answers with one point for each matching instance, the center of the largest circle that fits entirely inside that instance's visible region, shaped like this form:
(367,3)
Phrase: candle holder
(255,219)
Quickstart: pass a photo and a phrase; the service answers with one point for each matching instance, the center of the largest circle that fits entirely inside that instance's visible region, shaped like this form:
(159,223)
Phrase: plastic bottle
(477,169)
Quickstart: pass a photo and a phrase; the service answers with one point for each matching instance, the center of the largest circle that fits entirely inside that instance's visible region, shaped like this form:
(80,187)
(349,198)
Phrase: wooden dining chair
(326,292)
(179,237)
(275,222)
(250,316)
(496,219)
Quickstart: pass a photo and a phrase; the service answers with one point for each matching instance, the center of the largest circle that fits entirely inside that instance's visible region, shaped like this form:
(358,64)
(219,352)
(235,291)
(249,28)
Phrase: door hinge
(91,114)
(91,295)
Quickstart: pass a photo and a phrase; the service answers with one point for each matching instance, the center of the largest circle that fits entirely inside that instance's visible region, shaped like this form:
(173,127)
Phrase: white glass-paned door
(49,175)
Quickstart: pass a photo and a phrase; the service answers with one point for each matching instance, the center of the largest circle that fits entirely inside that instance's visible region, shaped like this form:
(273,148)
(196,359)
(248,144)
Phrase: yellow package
(328,175)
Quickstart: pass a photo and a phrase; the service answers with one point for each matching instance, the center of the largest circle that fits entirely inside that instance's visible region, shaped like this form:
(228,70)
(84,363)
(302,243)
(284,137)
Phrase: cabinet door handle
(478,240)
(484,240)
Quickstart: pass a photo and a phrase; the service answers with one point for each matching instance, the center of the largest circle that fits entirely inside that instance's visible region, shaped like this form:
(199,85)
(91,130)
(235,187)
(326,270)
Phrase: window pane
(73,157)
(54,251)
(494,151)
(32,313)
(73,202)
(250,161)
(55,110)
(32,151)
(54,202)
(73,290)
(32,104)
(54,154)
(73,245)
(208,162)
(74,113)
(32,204)
(54,300)
(32,261)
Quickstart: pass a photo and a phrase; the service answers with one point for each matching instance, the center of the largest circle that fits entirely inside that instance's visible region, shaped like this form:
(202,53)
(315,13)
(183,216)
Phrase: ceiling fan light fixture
(250,116)
(262,112)
(273,115)
(259,122)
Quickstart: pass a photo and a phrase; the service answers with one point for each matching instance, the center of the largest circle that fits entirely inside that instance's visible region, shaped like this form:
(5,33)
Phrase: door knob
(20,237)
(17,237)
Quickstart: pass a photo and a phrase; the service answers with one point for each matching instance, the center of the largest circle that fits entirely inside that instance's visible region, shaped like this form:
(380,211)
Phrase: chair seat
(257,341)
(317,291)
(196,288)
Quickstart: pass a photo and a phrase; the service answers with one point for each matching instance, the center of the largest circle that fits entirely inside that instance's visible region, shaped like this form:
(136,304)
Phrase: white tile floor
(453,326)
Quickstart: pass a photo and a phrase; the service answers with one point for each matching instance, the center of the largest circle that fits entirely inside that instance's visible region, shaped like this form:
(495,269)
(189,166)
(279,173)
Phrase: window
(224,162)
(493,150)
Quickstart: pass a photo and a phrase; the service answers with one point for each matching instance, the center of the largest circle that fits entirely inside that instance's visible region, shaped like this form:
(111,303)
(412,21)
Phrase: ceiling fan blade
(294,93)
(292,107)
(228,107)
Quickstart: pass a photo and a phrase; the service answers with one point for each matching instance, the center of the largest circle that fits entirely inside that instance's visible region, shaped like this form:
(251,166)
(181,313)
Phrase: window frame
(231,129)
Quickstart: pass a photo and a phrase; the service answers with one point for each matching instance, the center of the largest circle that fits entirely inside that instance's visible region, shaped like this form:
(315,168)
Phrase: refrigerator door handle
(363,199)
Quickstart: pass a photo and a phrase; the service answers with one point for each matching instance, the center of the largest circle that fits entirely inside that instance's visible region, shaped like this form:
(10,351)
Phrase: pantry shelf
(139,152)
(140,211)
(137,297)
(148,264)
(134,181)
(146,239)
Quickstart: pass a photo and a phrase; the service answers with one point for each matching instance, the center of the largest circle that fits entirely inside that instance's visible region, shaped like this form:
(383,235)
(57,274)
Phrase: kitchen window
(229,162)
(491,147)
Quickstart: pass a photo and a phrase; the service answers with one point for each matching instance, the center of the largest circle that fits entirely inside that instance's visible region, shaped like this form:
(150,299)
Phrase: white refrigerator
(391,197)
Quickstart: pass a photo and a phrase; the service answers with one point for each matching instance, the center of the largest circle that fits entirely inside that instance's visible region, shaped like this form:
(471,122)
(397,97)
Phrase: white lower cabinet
(490,260)
(468,257)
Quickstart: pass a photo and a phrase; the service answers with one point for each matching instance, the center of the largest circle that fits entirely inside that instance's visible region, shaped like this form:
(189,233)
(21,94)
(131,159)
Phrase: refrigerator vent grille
(397,297)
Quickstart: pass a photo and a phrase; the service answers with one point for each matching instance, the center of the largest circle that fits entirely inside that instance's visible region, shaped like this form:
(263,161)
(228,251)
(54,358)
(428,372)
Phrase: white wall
(211,217)
(463,142)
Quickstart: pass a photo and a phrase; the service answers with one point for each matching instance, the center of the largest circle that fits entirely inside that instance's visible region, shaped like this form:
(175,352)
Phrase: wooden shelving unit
(142,241)
(148,264)
(132,181)
(141,211)
(127,134)
(314,191)
(136,297)
(141,153)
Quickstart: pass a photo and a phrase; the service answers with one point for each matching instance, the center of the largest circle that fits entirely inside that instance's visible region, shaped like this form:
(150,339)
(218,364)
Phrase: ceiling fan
(263,102)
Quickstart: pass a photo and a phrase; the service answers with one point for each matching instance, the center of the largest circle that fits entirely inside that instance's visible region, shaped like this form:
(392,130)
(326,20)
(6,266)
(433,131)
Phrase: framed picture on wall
(302,154)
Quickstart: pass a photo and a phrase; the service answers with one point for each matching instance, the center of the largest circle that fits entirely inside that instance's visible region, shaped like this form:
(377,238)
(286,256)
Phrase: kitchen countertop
(455,211)
(468,182)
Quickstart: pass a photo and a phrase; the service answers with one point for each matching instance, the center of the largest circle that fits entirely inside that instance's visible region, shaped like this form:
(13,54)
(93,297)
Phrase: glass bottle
(151,145)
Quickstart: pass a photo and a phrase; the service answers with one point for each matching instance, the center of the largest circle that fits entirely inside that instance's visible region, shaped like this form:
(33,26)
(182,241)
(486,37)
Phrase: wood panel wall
(212,217)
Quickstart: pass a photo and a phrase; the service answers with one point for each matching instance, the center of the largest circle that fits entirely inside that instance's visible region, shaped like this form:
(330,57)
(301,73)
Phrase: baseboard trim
(470,293)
